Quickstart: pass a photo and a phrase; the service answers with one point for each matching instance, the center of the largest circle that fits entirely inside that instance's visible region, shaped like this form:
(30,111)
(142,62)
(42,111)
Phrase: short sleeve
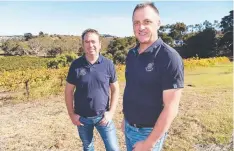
(71,76)
(113,76)
(173,73)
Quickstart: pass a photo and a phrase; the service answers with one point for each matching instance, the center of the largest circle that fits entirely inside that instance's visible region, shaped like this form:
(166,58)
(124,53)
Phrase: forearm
(163,124)
(69,102)
(114,100)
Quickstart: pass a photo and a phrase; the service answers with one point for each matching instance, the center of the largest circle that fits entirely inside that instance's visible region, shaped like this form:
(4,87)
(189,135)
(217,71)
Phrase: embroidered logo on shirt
(149,67)
(82,72)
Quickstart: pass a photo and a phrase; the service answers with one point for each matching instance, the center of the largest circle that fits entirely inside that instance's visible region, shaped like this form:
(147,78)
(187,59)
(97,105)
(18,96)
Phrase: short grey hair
(145,4)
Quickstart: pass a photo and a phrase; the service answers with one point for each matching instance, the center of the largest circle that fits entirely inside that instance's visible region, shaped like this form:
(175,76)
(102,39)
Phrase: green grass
(12,63)
(205,115)
(220,75)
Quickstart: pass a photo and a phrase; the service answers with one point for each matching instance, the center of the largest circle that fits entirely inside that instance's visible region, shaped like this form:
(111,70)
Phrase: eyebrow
(143,20)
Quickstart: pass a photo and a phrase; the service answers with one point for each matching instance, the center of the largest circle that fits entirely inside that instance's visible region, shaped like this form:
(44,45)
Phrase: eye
(136,23)
(147,22)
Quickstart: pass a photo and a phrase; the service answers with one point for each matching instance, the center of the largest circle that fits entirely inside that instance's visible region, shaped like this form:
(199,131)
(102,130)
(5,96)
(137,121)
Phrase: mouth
(91,49)
(142,33)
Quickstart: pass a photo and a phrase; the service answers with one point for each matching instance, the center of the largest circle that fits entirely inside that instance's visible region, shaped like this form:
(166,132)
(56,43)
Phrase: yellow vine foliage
(12,80)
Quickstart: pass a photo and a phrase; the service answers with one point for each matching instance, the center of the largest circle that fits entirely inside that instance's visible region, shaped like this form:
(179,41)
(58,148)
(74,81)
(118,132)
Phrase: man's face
(146,23)
(91,44)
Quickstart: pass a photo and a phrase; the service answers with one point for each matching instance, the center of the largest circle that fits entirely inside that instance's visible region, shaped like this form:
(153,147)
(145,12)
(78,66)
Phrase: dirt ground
(43,125)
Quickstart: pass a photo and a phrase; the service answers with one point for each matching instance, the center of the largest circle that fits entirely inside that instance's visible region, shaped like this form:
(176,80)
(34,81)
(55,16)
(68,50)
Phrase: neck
(144,46)
(92,58)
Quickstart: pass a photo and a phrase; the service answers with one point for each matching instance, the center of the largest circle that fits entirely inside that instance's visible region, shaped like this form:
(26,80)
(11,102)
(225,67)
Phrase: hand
(142,146)
(106,118)
(75,119)
(123,126)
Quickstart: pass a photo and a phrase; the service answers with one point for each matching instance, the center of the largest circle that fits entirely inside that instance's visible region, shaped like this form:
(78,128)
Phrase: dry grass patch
(204,121)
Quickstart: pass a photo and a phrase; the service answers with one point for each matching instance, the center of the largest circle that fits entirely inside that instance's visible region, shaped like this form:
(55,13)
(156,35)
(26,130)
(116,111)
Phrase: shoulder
(169,55)
(133,50)
(77,62)
(108,64)
(107,61)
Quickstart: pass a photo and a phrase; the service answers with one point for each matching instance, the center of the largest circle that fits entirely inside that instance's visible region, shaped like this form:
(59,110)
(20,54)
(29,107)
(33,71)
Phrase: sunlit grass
(205,115)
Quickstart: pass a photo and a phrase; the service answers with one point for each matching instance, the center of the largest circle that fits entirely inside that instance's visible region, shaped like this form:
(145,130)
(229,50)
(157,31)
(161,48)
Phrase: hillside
(46,45)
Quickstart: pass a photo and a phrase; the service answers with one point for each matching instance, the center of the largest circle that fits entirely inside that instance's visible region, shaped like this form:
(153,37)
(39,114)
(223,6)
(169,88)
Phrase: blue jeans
(107,132)
(134,135)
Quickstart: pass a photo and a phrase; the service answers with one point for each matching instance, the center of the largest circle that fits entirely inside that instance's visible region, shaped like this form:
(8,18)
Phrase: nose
(90,44)
(142,27)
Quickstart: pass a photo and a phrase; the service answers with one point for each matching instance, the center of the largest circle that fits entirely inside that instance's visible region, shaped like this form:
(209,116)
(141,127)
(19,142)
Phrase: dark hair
(143,5)
(89,30)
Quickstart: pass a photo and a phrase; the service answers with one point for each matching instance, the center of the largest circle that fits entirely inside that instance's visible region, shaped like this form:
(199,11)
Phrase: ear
(159,23)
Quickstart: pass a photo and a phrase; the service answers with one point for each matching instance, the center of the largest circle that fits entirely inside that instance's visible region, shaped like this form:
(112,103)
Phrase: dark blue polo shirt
(159,68)
(92,83)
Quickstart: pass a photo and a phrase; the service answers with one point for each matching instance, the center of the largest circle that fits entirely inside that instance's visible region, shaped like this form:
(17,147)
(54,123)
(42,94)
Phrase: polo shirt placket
(145,82)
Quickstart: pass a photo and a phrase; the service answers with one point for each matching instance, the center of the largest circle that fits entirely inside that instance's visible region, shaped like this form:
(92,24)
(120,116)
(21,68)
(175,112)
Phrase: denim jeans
(134,135)
(107,132)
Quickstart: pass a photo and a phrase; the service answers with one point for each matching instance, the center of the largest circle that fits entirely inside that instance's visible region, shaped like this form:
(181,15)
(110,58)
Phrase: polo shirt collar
(99,60)
(150,48)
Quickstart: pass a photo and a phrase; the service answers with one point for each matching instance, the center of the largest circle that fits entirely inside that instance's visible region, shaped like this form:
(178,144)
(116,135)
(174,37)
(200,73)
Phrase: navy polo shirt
(92,83)
(147,74)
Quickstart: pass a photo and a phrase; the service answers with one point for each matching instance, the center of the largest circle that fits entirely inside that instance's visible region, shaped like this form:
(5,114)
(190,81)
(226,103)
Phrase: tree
(190,28)
(226,42)
(207,24)
(177,31)
(28,36)
(198,27)
(118,49)
(167,39)
(227,22)
(54,51)
(41,34)
(175,34)
(188,35)
(13,47)
(216,24)
(164,28)
(202,44)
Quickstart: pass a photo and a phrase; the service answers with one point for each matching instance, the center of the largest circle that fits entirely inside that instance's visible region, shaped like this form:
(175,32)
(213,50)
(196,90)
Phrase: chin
(93,54)
(144,40)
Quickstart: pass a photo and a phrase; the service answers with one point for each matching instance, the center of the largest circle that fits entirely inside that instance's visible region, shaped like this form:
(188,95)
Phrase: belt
(141,125)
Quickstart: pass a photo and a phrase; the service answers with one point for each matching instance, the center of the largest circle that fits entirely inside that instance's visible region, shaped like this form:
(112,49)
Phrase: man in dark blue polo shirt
(154,81)
(91,76)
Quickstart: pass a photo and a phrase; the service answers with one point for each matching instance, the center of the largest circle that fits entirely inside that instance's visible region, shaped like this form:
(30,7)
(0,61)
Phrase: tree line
(203,40)
(200,40)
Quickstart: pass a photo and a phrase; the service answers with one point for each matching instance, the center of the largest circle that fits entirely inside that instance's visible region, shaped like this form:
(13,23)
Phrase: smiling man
(91,76)
(154,81)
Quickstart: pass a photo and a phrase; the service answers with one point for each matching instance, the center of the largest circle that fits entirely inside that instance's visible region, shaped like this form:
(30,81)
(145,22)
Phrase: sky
(108,17)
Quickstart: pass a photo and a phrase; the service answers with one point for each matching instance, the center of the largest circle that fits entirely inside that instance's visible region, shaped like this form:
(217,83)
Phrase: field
(204,122)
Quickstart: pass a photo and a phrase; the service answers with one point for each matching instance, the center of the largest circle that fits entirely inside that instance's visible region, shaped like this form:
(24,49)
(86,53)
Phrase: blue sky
(71,18)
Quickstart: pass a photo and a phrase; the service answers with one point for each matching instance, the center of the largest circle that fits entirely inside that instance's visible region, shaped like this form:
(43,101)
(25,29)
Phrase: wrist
(71,113)
(111,111)
(149,143)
